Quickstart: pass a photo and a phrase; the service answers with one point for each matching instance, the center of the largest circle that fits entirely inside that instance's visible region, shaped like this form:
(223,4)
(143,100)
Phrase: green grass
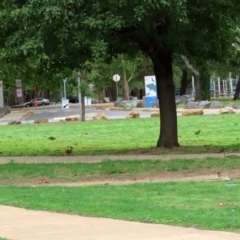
(119,136)
(16,173)
(208,205)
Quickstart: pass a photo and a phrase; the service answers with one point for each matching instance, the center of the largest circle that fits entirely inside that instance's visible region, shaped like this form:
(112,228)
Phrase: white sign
(91,86)
(18,83)
(1,95)
(19,93)
(116,77)
(65,103)
(150,90)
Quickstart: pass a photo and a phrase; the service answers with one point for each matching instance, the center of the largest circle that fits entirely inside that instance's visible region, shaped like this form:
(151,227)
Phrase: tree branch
(134,69)
(192,68)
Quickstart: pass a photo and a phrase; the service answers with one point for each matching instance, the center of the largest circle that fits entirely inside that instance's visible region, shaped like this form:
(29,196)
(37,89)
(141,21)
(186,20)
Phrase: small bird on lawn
(197,132)
(51,138)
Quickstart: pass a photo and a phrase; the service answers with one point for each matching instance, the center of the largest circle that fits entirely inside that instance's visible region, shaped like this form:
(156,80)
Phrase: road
(56,113)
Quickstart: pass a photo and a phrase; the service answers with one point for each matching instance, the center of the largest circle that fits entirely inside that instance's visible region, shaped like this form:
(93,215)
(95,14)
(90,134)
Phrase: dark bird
(51,138)
(197,132)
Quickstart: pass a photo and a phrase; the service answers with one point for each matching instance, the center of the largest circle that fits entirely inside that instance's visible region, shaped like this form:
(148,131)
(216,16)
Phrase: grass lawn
(208,205)
(18,173)
(218,133)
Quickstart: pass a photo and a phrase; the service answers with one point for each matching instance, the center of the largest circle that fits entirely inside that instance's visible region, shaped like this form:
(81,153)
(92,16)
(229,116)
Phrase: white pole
(214,90)
(231,86)
(64,87)
(193,87)
(1,95)
(219,87)
(224,87)
(229,80)
(79,98)
(117,90)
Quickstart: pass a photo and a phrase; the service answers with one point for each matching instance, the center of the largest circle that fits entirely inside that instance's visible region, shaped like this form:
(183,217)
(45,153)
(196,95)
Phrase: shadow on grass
(68,151)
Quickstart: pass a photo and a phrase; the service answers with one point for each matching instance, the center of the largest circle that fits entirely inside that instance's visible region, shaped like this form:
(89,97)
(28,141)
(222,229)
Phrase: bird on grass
(51,138)
(197,132)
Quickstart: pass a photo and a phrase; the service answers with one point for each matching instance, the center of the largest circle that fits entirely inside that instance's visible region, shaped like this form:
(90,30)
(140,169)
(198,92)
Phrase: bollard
(35,102)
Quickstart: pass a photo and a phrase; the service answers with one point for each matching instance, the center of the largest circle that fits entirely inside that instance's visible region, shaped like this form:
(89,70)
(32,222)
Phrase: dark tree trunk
(237,91)
(197,87)
(146,66)
(111,92)
(100,92)
(162,61)
(83,107)
(184,83)
(205,76)
(125,85)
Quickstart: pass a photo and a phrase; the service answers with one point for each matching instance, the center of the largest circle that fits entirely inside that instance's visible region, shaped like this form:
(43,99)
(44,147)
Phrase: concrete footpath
(21,224)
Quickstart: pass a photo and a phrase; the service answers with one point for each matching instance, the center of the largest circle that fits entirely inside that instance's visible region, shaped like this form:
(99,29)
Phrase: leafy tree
(71,31)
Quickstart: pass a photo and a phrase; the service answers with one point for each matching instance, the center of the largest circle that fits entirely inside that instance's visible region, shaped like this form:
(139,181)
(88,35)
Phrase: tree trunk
(125,85)
(146,66)
(197,87)
(205,76)
(237,91)
(162,61)
(100,93)
(111,92)
(184,83)
(83,117)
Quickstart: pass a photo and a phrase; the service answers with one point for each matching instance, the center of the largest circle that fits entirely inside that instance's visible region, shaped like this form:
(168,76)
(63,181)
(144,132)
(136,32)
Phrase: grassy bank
(209,205)
(17,173)
(218,133)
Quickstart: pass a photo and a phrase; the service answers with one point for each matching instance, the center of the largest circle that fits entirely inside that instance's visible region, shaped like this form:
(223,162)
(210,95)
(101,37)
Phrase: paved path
(94,159)
(21,224)
(118,113)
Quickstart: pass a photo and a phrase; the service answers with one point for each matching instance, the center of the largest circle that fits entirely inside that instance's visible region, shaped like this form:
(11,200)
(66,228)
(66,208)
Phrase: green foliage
(58,28)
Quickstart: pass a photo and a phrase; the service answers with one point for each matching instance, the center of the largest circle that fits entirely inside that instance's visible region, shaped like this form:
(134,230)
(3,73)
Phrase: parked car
(40,102)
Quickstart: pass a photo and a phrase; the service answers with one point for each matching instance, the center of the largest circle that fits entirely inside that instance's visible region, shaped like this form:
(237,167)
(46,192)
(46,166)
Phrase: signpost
(116,78)
(91,86)
(79,96)
(19,92)
(64,87)
(1,95)
(65,103)
(151,91)
(18,83)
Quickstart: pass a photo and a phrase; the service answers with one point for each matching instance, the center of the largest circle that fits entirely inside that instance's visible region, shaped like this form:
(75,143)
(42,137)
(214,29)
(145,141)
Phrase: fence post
(219,87)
